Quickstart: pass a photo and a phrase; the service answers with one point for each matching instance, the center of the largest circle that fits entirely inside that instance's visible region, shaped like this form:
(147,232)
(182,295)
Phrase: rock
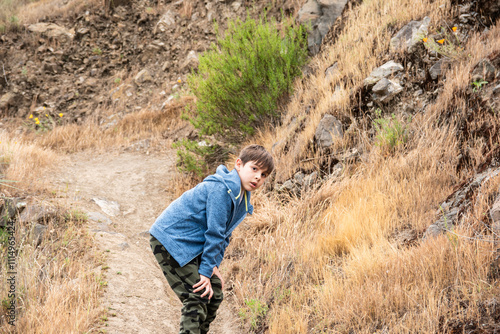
(52,30)
(310,179)
(332,71)
(407,38)
(111,208)
(143,77)
(484,70)
(8,100)
(328,128)
(102,221)
(236,5)
(450,211)
(166,21)
(191,61)
(385,90)
(337,170)
(10,209)
(319,15)
(112,4)
(38,233)
(495,216)
(436,70)
(309,13)
(36,213)
(433,231)
(145,234)
(406,237)
(124,245)
(51,68)
(288,186)
(383,71)
(299,178)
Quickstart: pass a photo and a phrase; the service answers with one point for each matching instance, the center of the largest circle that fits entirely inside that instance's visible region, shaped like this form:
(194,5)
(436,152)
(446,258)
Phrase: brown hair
(259,155)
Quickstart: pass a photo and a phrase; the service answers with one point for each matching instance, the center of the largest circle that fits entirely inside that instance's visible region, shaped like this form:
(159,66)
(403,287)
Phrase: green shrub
(255,311)
(390,132)
(242,77)
(196,158)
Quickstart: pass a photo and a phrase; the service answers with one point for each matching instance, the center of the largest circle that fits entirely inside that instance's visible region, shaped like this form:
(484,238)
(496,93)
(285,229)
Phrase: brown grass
(132,127)
(56,290)
(330,262)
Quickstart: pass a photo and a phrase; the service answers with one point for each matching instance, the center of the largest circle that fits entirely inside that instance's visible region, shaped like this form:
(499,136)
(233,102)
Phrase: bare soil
(137,297)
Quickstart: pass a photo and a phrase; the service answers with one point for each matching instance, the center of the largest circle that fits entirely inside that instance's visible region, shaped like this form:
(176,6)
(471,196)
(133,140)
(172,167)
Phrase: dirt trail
(137,295)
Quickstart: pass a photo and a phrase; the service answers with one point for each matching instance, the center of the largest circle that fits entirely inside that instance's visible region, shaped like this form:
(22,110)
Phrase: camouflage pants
(197,313)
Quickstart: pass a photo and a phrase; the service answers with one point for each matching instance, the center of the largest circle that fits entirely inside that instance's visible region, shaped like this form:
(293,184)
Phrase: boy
(189,238)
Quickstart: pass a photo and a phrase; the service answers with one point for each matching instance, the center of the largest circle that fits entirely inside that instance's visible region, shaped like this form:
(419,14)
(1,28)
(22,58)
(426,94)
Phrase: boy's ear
(238,164)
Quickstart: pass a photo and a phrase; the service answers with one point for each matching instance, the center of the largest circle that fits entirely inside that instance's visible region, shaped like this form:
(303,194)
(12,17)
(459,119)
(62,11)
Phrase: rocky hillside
(106,63)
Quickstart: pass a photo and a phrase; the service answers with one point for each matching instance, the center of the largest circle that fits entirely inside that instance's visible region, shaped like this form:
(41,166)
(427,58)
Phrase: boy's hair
(259,155)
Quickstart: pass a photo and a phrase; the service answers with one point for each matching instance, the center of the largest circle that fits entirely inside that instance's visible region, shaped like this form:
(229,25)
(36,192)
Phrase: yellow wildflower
(36,119)
(46,115)
(454,29)
(424,39)
(61,114)
(179,81)
(37,122)
(441,41)
(43,108)
(31,116)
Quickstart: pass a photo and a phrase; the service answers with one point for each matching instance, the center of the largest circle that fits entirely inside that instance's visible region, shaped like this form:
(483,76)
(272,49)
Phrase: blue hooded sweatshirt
(202,219)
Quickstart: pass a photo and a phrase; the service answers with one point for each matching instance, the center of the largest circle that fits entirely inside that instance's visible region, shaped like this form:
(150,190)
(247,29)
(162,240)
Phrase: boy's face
(252,176)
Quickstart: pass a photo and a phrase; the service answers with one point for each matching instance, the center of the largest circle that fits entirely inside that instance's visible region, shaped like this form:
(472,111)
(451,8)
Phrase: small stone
(38,233)
(436,70)
(384,71)
(310,179)
(145,234)
(111,208)
(385,90)
(484,70)
(143,77)
(299,177)
(332,71)
(7,100)
(124,245)
(328,128)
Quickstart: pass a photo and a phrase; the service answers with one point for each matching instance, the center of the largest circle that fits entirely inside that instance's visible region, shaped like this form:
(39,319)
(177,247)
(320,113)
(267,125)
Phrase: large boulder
(407,38)
(320,15)
(329,128)
(384,71)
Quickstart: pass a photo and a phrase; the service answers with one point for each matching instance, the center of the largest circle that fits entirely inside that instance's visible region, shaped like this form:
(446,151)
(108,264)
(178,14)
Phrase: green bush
(242,77)
(390,132)
(195,158)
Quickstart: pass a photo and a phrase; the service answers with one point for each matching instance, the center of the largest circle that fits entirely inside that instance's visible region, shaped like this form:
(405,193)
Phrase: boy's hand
(217,273)
(204,283)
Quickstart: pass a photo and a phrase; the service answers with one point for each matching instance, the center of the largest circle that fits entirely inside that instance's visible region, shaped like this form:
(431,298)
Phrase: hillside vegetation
(350,249)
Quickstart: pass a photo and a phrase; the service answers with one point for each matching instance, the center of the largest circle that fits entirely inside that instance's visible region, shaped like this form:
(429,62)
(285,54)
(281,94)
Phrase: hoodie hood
(233,183)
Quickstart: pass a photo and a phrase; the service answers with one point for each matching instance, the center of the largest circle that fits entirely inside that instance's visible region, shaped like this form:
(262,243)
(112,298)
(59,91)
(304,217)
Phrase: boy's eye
(264,175)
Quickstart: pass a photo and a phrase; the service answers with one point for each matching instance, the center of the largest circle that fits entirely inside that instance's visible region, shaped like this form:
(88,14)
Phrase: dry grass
(15,13)
(55,289)
(330,261)
(132,127)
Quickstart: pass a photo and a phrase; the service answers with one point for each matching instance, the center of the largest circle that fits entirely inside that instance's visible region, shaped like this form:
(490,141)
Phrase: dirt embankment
(99,63)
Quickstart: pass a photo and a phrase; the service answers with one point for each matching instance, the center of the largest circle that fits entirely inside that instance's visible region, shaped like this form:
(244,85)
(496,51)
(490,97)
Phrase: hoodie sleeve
(218,213)
(221,255)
